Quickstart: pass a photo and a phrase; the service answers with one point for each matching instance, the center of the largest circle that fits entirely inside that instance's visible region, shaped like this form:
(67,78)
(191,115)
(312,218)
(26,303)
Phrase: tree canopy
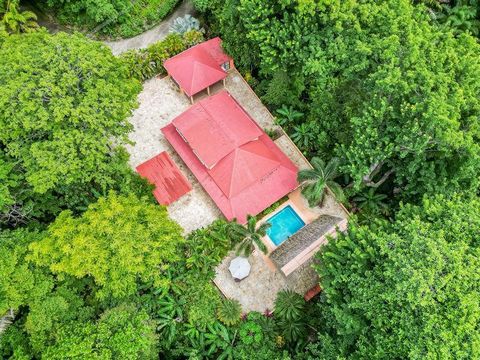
(118,241)
(382,86)
(64,106)
(408,288)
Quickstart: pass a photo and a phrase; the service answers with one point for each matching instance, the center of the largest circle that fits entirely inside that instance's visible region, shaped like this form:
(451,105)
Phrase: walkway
(151,36)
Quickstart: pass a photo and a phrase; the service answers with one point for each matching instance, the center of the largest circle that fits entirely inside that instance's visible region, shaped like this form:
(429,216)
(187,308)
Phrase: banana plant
(170,318)
(287,116)
(371,202)
(220,341)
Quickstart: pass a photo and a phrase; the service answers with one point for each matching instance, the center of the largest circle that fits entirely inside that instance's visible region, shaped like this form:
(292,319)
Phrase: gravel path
(159,103)
(149,37)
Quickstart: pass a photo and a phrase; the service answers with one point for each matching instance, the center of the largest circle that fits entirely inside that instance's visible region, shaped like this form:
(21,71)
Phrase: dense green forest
(386,94)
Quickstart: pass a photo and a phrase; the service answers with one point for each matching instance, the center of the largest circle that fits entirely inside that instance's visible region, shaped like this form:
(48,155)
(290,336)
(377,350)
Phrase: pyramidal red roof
(215,126)
(198,67)
(251,173)
(243,166)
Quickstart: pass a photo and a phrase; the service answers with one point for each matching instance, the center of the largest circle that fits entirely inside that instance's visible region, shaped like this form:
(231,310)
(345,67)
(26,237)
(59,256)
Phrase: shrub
(205,248)
(229,312)
(193,37)
(143,64)
(115,18)
(289,305)
(251,333)
(202,302)
(202,5)
(181,25)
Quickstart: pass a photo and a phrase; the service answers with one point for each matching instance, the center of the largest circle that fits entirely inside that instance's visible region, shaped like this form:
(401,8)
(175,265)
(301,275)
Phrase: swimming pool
(285,223)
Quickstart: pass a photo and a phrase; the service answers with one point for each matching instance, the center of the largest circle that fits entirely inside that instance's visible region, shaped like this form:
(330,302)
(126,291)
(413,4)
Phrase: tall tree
(409,289)
(63,112)
(123,332)
(118,241)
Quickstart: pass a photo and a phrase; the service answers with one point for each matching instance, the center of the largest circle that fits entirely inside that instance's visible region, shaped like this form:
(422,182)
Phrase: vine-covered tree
(63,107)
(409,289)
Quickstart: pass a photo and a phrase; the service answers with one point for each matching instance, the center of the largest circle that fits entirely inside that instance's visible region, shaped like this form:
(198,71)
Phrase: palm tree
(371,202)
(315,181)
(16,21)
(288,115)
(248,235)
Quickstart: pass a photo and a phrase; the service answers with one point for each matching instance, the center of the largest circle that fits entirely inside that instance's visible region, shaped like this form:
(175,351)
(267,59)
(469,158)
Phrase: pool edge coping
(266,239)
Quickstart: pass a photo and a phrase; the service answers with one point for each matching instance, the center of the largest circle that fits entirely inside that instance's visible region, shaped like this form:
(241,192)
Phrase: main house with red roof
(238,165)
(199,67)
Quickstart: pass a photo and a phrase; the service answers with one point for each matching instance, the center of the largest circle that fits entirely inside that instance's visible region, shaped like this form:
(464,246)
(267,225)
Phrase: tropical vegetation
(249,235)
(113,18)
(383,96)
(317,181)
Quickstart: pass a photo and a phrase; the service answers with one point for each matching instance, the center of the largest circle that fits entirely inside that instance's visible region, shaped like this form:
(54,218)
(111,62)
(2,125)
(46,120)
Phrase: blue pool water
(285,223)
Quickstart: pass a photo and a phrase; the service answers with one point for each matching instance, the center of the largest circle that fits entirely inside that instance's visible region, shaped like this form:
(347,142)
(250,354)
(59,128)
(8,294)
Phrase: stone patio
(259,290)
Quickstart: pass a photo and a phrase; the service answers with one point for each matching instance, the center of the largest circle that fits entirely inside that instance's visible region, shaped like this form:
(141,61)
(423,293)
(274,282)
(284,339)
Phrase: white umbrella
(239,267)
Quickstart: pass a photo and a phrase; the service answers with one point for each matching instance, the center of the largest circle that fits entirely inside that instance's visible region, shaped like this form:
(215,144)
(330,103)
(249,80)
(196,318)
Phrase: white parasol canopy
(239,267)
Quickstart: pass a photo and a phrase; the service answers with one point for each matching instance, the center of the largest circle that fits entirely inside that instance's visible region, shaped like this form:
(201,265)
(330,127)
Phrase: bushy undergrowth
(144,64)
(112,18)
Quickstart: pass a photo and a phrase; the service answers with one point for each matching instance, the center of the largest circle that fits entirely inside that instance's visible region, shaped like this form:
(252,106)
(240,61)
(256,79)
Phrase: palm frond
(337,190)
(318,163)
(262,229)
(306,175)
(251,223)
(330,169)
(261,245)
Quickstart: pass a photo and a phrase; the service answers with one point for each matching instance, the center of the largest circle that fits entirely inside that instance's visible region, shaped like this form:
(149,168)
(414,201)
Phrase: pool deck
(258,291)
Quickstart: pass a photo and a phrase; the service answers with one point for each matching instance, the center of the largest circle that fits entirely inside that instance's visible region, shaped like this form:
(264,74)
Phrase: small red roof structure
(170,183)
(199,67)
(238,165)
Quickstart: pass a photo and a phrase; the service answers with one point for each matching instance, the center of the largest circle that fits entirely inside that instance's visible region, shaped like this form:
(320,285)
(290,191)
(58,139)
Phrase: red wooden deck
(170,183)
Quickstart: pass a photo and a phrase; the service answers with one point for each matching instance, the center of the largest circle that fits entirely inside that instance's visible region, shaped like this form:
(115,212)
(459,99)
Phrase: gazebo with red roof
(238,165)
(199,67)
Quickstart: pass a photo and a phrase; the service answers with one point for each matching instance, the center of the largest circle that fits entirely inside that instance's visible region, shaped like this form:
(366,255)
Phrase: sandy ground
(151,36)
(160,103)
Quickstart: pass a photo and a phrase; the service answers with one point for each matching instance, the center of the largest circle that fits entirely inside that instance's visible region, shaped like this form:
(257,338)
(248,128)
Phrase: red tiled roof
(219,120)
(243,166)
(214,48)
(170,183)
(198,67)
(247,180)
